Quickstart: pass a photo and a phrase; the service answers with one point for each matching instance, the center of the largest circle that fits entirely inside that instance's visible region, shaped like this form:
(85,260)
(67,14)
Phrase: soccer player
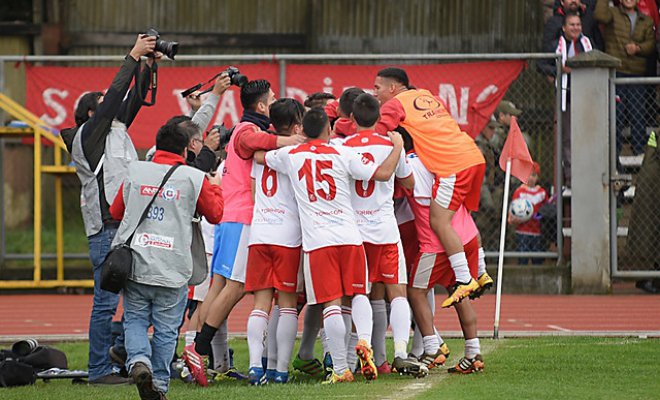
(231,236)
(374,213)
(431,267)
(274,255)
(450,154)
(333,257)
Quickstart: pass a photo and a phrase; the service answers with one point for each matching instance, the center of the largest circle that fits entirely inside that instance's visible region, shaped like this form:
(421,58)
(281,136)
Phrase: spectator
(644,226)
(583,8)
(629,36)
(528,234)
(102,122)
(490,204)
(568,45)
(155,293)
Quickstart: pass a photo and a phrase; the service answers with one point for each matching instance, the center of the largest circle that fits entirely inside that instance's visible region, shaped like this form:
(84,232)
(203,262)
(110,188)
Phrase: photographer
(101,124)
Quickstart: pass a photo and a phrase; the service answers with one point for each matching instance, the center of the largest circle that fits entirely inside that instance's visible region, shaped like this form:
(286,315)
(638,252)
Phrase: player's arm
(404,172)
(276,160)
(250,141)
(391,115)
(210,202)
(260,157)
(386,169)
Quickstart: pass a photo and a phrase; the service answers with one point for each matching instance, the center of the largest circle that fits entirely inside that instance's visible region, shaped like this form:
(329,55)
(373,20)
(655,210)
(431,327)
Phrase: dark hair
(314,122)
(254,92)
(396,74)
(569,14)
(366,110)
(286,112)
(88,102)
(175,135)
(347,98)
(318,99)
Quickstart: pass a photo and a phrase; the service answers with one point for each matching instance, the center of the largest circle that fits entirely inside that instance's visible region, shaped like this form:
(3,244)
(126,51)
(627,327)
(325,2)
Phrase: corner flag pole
(500,258)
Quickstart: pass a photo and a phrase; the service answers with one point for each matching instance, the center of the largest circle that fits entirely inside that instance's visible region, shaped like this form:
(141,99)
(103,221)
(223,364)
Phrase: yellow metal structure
(40,130)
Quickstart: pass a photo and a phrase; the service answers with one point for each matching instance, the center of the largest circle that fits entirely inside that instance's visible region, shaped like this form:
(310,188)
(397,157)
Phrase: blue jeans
(529,243)
(103,309)
(632,110)
(162,307)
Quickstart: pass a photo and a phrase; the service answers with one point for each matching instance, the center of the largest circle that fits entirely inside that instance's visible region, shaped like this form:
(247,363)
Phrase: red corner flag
(516,149)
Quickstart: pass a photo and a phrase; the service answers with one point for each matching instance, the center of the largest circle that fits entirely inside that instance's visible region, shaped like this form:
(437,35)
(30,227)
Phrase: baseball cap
(508,107)
(494,124)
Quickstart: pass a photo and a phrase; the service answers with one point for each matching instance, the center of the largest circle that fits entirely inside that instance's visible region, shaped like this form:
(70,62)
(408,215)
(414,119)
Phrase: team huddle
(352,207)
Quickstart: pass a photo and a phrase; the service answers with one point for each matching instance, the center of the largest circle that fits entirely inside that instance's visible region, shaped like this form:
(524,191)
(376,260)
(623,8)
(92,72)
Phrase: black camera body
(237,79)
(166,47)
(225,134)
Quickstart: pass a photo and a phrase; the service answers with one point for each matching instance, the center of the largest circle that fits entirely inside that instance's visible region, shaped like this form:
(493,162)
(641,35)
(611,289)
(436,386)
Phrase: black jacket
(590,28)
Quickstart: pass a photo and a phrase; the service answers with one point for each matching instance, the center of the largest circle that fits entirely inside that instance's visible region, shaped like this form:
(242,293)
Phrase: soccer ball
(522,209)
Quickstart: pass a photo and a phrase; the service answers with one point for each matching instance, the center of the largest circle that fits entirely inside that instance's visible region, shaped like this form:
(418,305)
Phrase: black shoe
(118,356)
(144,382)
(111,379)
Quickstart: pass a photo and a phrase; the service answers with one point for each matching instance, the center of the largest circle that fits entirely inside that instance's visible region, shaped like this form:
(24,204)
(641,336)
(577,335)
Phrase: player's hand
(194,100)
(292,140)
(212,140)
(396,139)
(143,45)
(221,85)
(213,178)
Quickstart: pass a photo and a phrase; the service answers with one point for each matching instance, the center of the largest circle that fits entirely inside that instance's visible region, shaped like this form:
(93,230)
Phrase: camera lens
(239,79)
(168,48)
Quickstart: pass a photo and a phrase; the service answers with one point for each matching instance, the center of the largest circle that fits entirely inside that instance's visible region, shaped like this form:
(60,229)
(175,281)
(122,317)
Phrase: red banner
(471,91)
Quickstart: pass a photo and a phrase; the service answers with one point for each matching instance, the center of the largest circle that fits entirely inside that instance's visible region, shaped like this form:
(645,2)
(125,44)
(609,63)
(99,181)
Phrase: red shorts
(333,272)
(432,269)
(409,241)
(386,263)
(463,187)
(271,266)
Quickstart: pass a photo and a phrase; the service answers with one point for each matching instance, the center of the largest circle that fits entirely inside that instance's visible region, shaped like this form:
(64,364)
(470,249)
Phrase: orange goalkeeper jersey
(439,142)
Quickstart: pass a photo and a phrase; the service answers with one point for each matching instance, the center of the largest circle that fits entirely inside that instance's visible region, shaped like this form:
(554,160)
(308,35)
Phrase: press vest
(119,152)
(162,241)
(439,142)
(237,183)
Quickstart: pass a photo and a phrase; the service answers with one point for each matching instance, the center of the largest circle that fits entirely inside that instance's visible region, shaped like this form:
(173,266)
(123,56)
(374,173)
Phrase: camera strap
(152,84)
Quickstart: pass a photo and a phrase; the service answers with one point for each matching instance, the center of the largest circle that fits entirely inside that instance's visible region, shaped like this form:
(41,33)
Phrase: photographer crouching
(102,149)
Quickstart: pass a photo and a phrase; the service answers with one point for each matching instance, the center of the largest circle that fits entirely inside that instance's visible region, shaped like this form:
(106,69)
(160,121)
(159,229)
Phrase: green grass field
(538,368)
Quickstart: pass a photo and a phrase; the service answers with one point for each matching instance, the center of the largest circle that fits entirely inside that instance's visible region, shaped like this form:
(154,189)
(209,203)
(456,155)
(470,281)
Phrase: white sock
(431,344)
(417,348)
(400,320)
(271,338)
(379,330)
(287,328)
(472,348)
(346,313)
(311,326)
(190,337)
(430,296)
(460,266)
(351,355)
(324,341)
(220,348)
(482,262)
(256,335)
(335,330)
(362,317)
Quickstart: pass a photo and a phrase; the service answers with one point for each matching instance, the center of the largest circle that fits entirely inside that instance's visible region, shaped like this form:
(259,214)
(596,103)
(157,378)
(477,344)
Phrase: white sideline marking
(558,328)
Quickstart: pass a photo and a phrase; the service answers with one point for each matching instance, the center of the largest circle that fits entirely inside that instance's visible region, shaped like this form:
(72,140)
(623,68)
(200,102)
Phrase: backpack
(16,373)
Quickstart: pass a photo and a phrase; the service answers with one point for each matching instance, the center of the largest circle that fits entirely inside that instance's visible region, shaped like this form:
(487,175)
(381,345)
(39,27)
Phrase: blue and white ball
(522,209)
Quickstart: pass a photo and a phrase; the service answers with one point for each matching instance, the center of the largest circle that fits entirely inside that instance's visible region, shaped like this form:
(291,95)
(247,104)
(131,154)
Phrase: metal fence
(531,92)
(635,169)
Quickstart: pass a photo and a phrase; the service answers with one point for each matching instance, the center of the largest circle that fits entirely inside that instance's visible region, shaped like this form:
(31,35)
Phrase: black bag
(44,357)
(118,264)
(198,250)
(16,373)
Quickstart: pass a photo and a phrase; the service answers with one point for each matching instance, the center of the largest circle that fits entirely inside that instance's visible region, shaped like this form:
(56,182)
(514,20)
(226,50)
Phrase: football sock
(190,337)
(203,342)
(472,348)
(351,355)
(346,312)
(335,330)
(362,317)
(379,331)
(482,262)
(256,333)
(417,348)
(220,348)
(311,326)
(271,338)
(460,266)
(400,320)
(287,328)
(431,344)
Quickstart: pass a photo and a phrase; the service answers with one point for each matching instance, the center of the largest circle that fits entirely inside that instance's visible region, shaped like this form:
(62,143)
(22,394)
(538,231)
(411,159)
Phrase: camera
(166,47)
(237,79)
(225,134)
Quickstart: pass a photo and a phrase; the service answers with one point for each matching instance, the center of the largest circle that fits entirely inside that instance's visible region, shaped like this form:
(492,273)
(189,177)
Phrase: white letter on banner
(488,90)
(183,104)
(227,107)
(294,93)
(448,96)
(60,111)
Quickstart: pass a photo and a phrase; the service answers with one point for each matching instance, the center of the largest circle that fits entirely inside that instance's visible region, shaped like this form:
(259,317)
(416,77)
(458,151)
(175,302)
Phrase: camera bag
(118,264)
(16,373)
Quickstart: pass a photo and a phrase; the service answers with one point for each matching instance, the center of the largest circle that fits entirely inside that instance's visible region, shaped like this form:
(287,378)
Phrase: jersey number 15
(313,173)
